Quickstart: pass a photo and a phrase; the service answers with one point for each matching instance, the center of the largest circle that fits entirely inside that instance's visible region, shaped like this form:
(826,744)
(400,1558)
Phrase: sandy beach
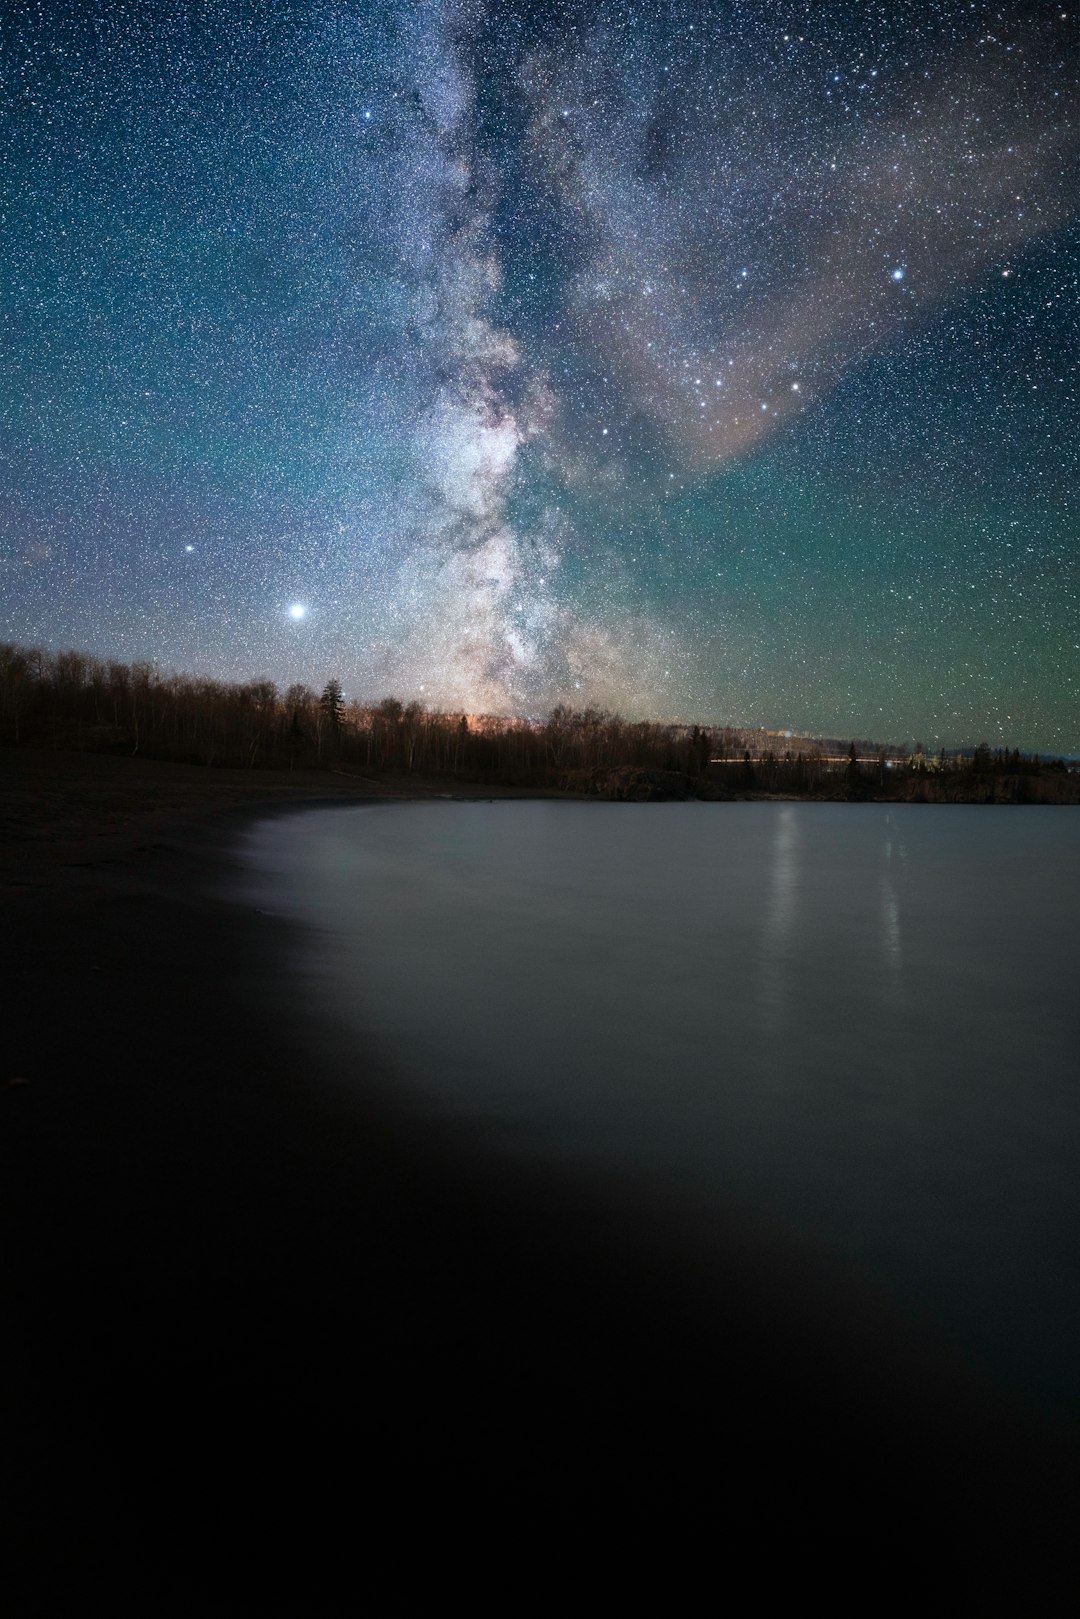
(281,1347)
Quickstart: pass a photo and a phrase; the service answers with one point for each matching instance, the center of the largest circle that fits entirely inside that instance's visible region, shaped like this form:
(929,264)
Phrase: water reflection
(818,1009)
(894,856)
(777,951)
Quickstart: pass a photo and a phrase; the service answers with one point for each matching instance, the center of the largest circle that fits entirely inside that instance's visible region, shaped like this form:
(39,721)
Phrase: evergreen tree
(332,703)
(332,708)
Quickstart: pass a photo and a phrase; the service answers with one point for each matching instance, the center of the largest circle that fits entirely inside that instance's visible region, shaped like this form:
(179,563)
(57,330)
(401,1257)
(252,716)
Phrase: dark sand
(279,1347)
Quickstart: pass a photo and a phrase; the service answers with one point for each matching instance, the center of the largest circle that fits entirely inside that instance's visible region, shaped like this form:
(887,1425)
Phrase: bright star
(898,273)
(297,610)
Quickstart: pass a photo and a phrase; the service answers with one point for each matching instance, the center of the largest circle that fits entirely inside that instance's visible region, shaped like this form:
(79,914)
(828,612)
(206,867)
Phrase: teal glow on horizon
(707,362)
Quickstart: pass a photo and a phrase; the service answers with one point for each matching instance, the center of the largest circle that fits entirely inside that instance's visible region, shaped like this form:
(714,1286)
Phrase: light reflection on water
(892,944)
(858,1020)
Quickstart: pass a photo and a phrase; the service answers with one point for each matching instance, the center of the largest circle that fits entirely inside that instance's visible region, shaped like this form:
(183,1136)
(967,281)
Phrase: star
(385,372)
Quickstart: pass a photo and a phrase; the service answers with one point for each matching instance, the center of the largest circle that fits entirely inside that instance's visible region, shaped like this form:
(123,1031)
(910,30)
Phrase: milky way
(702,362)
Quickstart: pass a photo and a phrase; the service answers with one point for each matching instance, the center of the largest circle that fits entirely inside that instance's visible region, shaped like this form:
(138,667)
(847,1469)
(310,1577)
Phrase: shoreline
(282,1347)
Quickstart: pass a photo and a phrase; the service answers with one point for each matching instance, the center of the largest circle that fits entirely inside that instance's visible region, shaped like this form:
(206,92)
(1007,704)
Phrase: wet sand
(281,1346)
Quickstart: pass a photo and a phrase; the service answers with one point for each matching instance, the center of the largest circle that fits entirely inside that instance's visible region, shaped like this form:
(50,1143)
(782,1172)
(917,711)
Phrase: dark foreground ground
(279,1348)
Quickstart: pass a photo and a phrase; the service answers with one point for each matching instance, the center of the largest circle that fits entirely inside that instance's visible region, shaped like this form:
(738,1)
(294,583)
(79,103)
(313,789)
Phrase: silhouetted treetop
(70,700)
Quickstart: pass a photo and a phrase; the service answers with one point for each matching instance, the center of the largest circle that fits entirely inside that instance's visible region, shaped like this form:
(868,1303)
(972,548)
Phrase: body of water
(857,1023)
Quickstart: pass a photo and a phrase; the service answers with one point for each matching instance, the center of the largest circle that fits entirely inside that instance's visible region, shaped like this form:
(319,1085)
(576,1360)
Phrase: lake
(859,1023)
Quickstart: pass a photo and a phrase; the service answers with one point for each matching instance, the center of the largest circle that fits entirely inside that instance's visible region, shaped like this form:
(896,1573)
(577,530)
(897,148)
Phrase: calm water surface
(860,1022)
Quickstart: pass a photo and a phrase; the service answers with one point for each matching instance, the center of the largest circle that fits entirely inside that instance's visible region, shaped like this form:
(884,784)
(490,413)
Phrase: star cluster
(713,362)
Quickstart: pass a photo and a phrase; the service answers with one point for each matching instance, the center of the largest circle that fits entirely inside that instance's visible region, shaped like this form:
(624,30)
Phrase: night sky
(707,362)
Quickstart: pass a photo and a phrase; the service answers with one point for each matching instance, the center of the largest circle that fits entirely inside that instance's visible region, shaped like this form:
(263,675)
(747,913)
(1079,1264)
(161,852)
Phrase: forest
(69,700)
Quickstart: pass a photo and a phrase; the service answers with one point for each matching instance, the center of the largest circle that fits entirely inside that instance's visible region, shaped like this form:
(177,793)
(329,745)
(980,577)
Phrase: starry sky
(712,362)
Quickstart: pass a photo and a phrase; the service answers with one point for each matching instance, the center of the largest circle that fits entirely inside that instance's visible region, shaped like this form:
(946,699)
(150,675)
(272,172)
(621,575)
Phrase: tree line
(71,700)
